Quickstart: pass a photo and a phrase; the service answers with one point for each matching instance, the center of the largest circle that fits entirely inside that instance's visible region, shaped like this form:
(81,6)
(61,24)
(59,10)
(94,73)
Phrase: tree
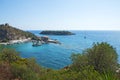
(101,56)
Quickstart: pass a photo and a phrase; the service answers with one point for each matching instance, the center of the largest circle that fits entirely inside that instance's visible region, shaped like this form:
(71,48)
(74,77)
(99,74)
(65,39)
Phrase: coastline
(70,44)
(15,41)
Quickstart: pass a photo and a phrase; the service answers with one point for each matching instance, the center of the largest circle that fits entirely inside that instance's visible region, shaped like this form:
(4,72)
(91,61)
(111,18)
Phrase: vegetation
(8,32)
(102,57)
(85,66)
(57,33)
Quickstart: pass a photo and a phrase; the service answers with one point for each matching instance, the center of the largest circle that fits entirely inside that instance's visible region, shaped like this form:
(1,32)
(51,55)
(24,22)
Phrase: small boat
(36,43)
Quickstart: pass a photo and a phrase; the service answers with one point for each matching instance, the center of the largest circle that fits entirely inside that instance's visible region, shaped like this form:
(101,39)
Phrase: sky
(61,14)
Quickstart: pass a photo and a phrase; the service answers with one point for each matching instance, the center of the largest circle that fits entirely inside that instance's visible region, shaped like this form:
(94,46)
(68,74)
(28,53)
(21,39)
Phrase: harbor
(44,40)
(36,42)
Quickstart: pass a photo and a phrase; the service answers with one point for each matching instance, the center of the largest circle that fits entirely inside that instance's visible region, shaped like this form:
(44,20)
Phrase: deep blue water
(58,56)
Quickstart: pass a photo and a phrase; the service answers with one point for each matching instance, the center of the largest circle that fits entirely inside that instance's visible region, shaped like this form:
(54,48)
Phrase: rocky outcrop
(8,32)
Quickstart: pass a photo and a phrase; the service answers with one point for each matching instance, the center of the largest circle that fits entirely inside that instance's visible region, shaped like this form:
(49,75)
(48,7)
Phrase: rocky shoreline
(16,41)
(9,34)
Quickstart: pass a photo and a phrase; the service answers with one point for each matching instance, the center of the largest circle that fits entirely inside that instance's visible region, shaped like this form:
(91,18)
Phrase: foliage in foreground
(14,67)
(102,57)
(96,63)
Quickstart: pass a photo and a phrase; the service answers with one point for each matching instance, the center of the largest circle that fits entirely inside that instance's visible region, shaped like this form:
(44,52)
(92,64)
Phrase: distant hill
(8,32)
(57,32)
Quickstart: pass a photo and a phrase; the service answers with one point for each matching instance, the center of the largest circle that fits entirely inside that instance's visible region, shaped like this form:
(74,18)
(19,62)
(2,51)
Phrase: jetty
(44,40)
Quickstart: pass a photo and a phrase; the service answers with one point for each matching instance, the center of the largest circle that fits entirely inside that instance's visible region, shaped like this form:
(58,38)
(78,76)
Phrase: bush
(79,62)
(101,56)
(22,72)
(9,55)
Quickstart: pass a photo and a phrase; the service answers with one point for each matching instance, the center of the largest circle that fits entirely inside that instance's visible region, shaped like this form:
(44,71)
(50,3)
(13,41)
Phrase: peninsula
(10,35)
(48,32)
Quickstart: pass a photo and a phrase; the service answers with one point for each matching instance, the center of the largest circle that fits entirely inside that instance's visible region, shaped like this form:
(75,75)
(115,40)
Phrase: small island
(48,32)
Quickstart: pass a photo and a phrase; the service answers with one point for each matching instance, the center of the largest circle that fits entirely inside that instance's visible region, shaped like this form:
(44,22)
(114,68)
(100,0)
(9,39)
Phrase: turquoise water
(58,56)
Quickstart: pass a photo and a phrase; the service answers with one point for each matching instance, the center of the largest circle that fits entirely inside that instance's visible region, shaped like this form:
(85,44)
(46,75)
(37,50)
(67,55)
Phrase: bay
(57,56)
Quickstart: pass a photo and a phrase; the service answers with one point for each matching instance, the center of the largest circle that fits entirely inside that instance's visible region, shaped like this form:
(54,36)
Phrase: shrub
(101,56)
(9,55)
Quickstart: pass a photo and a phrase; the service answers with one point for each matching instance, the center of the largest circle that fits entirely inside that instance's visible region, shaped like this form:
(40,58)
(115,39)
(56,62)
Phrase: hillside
(57,33)
(8,32)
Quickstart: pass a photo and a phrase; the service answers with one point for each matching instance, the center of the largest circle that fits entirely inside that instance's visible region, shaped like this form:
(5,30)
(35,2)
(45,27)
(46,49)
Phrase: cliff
(8,32)
(57,33)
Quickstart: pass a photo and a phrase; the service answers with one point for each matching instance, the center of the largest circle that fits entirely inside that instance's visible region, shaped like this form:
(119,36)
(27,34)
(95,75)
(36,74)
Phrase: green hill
(8,32)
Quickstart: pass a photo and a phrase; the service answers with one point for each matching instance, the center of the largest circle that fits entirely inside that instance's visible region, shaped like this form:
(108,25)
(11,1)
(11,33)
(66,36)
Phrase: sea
(57,56)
